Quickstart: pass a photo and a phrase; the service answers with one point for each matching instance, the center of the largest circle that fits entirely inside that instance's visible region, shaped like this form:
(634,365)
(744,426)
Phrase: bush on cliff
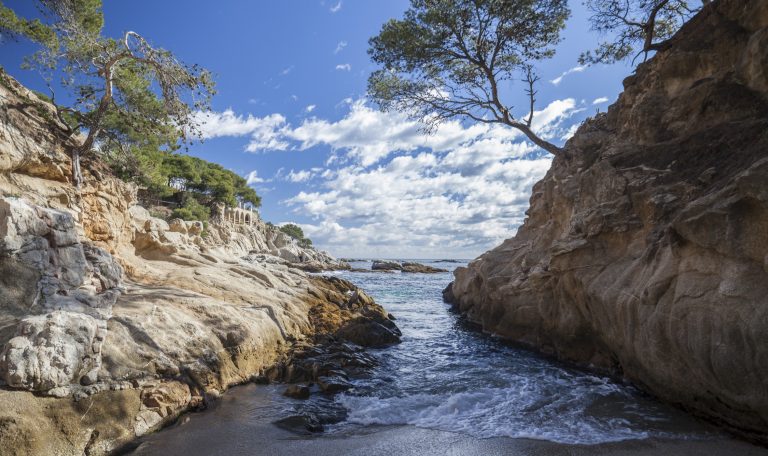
(192,210)
(297,233)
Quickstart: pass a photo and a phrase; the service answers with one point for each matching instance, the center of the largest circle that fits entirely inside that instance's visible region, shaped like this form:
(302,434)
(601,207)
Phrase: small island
(405,266)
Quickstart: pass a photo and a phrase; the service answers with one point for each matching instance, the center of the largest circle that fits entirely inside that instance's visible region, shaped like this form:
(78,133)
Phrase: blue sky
(291,113)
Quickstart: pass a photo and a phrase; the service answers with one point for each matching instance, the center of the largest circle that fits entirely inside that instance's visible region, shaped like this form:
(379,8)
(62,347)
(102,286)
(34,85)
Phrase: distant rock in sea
(388,265)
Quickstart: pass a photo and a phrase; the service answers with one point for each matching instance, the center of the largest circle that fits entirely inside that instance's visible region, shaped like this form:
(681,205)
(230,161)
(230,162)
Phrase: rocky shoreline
(114,322)
(645,251)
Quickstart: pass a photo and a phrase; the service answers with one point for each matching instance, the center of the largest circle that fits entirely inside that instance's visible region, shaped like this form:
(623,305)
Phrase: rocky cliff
(113,322)
(645,249)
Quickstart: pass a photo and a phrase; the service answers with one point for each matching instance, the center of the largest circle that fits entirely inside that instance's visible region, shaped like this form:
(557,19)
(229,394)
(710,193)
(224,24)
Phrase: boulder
(297,392)
(367,332)
(53,350)
(407,266)
(386,265)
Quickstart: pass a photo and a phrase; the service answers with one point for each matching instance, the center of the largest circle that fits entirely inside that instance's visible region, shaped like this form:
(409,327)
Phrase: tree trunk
(77,175)
(546,145)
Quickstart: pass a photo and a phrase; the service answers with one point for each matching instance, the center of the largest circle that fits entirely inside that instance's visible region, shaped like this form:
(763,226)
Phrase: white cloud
(389,190)
(253,178)
(600,100)
(335,8)
(310,108)
(340,47)
(576,69)
(299,176)
(265,132)
(287,71)
(570,132)
(344,67)
(401,193)
(419,206)
(547,122)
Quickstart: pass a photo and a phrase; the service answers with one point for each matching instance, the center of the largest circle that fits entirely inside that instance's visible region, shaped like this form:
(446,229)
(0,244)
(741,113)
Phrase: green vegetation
(646,25)
(188,181)
(297,233)
(32,29)
(192,210)
(447,59)
(130,97)
(133,100)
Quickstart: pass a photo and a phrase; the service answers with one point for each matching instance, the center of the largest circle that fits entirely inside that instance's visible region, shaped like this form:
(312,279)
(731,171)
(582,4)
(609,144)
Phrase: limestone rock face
(119,321)
(645,250)
(57,293)
(53,350)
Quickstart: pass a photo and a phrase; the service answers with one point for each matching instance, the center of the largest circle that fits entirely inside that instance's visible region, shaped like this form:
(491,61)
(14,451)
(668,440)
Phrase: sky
(291,114)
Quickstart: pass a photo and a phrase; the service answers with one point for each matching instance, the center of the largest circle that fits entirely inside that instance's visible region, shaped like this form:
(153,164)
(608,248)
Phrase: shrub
(192,210)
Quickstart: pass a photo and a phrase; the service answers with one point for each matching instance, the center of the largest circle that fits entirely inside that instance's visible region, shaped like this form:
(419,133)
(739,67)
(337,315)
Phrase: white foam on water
(502,412)
(448,378)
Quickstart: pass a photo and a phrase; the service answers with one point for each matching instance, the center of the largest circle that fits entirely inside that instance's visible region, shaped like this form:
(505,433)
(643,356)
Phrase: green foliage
(448,58)
(297,233)
(292,230)
(130,97)
(192,210)
(31,29)
(636,27)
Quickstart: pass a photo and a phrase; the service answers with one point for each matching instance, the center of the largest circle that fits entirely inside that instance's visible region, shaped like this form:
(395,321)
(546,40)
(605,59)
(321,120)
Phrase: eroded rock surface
(645,250)
(119,321)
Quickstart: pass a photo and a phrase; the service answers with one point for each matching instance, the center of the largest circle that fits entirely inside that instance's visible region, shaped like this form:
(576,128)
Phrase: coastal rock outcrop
(113,322)
(406,266)
(645,250)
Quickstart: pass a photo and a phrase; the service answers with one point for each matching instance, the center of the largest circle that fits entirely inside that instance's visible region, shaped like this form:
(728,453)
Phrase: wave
(507,412)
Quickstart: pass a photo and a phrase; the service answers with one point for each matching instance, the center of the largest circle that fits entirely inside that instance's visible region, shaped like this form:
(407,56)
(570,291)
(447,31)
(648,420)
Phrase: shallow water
(445,376)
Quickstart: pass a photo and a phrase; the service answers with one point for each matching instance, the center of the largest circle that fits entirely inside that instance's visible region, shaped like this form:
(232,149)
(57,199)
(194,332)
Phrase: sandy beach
(240,424)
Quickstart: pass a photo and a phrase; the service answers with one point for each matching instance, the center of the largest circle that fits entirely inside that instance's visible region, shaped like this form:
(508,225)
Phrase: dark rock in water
(421,268)
(448,294)
(301,424)
(297,392)
(333,385)
(385,265)
(367,332)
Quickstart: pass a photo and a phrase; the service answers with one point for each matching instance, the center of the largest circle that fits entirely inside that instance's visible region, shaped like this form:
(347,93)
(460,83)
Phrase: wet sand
(240,426)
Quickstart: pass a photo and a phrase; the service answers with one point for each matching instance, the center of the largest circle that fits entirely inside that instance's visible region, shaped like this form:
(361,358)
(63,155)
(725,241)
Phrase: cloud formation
(392,191)
(253,178)
(340,47)
(344,67)
(264,131)
(576,69)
